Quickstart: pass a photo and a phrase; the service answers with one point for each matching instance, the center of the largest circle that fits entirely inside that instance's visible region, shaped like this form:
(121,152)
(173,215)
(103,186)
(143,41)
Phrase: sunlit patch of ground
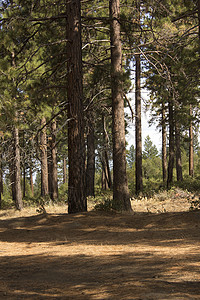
(101,255)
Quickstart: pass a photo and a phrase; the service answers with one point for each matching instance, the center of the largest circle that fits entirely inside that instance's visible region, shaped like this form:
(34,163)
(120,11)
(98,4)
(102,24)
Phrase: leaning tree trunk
(121,198)
(76,147)
(191,147)
(164,145)
(44,165)
(171,145)
(17,175)
(179,173)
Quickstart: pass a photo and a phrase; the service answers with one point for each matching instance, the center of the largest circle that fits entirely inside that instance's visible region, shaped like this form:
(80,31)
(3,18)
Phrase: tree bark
(138,128)
(121,198)
(105,161)
(44,165)
(31,180)
(191,146)
(76,147)
(17,175)
(179,173)
(164,145)
(53,162)
(90,169)
(171,145)
(138,119)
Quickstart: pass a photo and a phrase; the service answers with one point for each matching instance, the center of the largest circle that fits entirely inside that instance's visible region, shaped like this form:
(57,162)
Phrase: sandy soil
(153,253)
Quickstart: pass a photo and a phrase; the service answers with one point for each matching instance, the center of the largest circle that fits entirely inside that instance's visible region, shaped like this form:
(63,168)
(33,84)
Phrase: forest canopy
(66,69)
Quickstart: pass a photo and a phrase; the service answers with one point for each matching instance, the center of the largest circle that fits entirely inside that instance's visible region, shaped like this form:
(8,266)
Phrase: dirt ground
(152,253)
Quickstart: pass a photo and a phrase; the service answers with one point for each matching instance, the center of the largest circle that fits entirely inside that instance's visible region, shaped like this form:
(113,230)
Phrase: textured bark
(90,169)
(44,166)
(121,199)
(171,146)
(191,147)
(17,175)
(164,145)
(76,146)
(179,173)
(138,128)
(138,119)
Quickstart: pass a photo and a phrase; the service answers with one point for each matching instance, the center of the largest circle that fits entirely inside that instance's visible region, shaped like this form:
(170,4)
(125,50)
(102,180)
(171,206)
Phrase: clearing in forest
(152,253)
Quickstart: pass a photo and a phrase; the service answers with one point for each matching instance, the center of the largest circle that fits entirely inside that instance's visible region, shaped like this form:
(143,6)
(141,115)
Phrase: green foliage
(150,151)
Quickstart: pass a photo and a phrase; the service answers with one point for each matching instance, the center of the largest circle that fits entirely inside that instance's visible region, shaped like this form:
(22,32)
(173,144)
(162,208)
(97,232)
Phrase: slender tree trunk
(138,119)
(64,170)
(31,180)
(12,170)
(77,201)
(44,165)
(191,147)
(164,145)
(24,182)
(17,175)
(179,173)
(90,169)
(171,145)
(138,129)
(121,198)
(54,179)
(105,155)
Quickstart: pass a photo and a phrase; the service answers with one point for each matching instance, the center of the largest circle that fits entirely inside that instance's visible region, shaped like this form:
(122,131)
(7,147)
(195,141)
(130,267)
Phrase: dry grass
(101,255)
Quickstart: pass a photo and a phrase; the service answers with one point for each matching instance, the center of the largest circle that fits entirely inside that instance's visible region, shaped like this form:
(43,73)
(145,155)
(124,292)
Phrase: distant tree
(130,156)
(150,150)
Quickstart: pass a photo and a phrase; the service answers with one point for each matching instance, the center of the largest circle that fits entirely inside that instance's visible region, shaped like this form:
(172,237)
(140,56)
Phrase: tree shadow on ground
(100,256)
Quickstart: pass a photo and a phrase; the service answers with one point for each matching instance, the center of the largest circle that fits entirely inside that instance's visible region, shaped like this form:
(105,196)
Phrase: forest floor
(152,253)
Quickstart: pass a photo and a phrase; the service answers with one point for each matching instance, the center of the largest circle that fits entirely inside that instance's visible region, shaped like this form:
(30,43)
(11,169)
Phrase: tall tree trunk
(17,175)
(44,165)
(77,201)
(138,119)
(138,129)
(191,146)
(164,145)
(121,198)
(90,169)
(179,173)
(171,145)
